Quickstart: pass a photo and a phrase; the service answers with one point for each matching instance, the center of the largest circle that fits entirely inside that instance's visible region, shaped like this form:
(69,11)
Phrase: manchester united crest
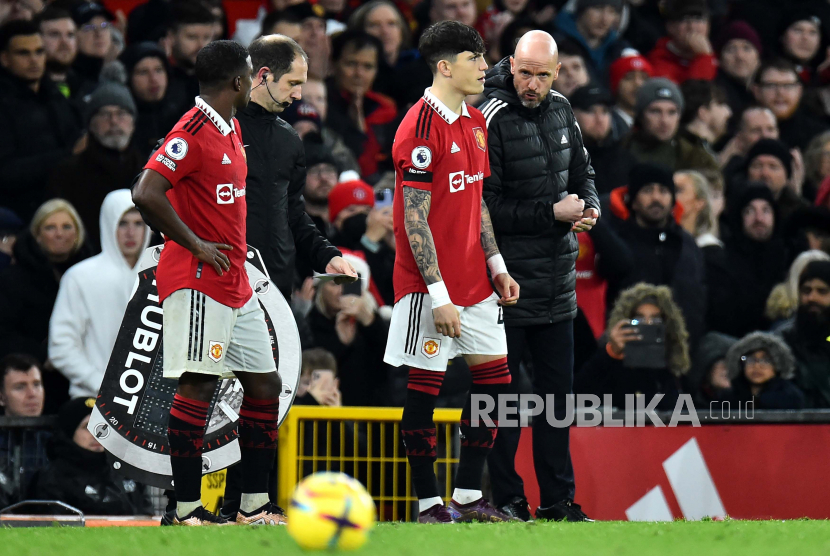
(215,351)
(481,139)
(431,347)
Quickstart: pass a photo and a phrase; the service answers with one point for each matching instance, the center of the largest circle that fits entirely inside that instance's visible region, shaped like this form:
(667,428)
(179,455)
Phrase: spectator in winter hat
(686,52)
(660,252)
(627,74)
(148,78)
(592,109)
(757,261)
(654,139)
(771,163)
(802,40)
(739,53)
(109,162)
(593,26)
(807,334)
(761,367)
(349,206)
(94,36)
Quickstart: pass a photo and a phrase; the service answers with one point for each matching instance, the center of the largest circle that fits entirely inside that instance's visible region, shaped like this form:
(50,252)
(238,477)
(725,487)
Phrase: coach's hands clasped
(447,320)
(211,253)
(508,289)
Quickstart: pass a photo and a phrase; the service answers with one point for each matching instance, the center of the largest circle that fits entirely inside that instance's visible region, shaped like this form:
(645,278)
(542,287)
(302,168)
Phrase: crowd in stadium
(709,118)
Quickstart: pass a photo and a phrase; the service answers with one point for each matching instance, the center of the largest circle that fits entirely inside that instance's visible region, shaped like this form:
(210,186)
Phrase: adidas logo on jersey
(564,140)
(225,159)
(454,148)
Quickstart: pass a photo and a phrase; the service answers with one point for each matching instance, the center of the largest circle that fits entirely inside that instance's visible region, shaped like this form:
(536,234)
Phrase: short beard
(53,66)
(531,103)
(813,325)
(117,142)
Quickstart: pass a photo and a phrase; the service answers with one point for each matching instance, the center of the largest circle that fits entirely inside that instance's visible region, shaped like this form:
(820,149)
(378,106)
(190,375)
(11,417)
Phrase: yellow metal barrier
(365,443)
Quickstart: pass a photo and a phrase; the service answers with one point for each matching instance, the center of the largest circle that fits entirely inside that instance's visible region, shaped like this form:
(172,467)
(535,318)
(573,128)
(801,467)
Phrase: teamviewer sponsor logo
(224,193)
(457,181)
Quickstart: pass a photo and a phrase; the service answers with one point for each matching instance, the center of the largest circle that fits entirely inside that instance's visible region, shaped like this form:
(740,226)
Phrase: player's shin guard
(186,434)
(418,429)
(258,421)
(490,379)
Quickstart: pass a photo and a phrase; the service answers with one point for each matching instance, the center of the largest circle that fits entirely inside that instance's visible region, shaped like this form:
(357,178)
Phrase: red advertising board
(761,471)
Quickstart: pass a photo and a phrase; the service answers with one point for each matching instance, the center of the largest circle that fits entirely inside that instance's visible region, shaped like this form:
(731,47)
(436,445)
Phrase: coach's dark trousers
(551,349)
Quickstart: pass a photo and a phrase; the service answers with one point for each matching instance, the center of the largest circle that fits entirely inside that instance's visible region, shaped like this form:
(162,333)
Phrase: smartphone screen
(649,352)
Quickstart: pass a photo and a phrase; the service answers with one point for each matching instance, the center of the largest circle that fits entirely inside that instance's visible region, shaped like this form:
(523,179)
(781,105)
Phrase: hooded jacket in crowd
(777,393)
(604,374)
(753,268)
(90,305)
(807,335)
(537,158)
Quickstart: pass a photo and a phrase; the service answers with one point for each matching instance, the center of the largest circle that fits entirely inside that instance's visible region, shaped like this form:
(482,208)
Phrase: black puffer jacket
(537,158)
(277,223)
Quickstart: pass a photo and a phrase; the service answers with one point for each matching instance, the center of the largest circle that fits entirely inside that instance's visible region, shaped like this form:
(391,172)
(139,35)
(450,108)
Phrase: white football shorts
(414,341)
(204,336)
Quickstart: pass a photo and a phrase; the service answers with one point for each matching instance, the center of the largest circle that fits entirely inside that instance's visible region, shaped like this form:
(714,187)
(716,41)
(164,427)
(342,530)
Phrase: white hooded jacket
(91,301)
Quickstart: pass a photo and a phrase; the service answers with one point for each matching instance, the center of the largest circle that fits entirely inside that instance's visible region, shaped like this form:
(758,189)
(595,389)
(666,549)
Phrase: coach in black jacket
(277,222)
(540,192)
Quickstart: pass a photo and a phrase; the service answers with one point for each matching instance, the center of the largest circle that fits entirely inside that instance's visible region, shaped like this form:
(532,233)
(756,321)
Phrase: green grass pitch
(728,538)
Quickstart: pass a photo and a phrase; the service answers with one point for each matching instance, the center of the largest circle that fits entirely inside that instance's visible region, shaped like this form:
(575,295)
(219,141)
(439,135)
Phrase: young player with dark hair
(444,303)
(193,191)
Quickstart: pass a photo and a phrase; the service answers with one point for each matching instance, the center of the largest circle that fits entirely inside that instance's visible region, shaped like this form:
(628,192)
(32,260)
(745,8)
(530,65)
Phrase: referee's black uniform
(277,223)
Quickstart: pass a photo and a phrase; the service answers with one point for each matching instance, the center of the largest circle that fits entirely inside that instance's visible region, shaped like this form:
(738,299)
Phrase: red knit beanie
(349,193)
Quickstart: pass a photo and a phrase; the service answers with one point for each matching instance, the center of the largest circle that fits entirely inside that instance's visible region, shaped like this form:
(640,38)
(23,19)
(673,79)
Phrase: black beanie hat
(133,54)
(644,174)
(772,147)
(72,413)
(754,190)
(815,269)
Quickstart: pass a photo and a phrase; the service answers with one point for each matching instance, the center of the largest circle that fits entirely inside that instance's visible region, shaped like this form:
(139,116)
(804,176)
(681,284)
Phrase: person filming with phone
(644,351)
(345,322)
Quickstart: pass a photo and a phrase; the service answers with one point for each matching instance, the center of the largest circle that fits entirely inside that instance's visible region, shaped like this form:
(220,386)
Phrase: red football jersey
(444,153)
(204,159)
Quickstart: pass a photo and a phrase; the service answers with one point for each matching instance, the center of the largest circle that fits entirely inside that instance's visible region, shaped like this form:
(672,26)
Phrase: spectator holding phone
(645,351)
(761,366)
(319,384)
(346,323)
(378,244)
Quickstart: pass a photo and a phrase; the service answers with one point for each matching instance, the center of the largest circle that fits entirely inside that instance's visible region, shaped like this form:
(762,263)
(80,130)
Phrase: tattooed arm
(507,287)
(488,236)
(416,203)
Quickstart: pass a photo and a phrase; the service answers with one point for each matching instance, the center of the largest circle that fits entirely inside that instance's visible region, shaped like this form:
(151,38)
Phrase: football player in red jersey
(445,305)
(193,191)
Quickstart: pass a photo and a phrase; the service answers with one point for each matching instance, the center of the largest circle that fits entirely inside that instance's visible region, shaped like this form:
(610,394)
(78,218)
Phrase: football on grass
(330,511)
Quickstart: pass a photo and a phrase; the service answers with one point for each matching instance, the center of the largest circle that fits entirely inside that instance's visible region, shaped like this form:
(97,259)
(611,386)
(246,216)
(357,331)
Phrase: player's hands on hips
(339,265)
(508,289)
(447,320)
(588,221)
(569,209)
(211,253)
